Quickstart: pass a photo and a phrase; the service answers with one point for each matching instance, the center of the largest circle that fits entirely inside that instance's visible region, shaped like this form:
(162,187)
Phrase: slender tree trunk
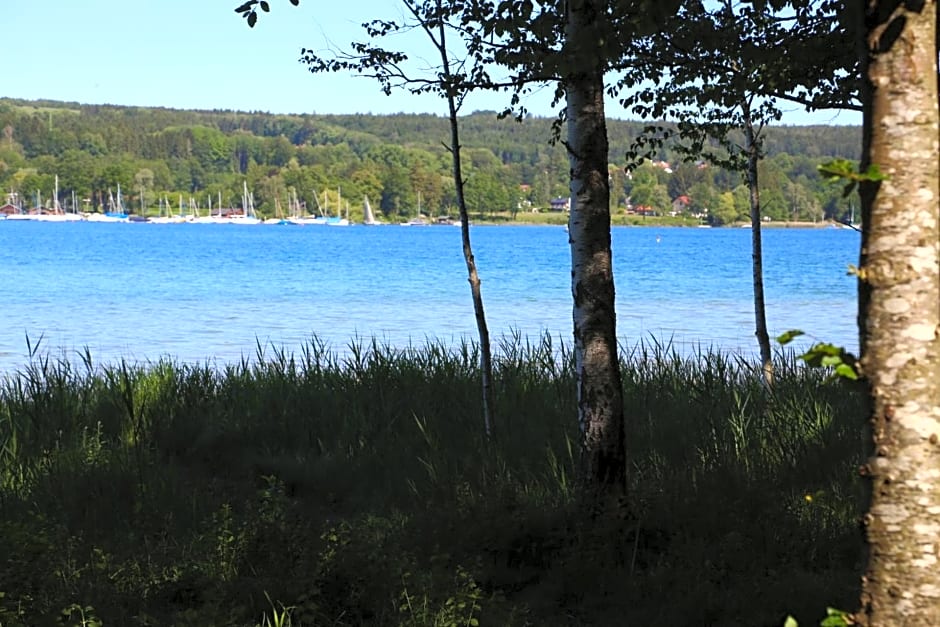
(866,189)
(757,255)
(599,390)
(866,193)
(486,361)
(901,358)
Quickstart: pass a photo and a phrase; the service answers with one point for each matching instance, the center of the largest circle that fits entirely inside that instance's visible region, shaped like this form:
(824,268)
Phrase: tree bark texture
(901,358)
(757,255)
(599,389)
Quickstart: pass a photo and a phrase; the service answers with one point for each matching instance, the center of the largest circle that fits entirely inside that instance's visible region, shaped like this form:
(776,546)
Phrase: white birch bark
(901,333)
(599,390)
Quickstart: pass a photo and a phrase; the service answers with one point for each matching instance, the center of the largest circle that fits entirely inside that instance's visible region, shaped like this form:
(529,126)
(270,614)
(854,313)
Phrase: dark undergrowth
(357,489)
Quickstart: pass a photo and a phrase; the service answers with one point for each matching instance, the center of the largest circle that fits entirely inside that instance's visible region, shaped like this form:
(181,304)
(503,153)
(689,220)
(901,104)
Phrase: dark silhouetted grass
(356,488)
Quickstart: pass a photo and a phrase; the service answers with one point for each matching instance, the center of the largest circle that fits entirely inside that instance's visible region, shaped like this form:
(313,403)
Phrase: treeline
(398,161)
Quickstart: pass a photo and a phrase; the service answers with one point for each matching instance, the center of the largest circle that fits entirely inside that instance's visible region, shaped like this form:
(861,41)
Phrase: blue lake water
(211,292)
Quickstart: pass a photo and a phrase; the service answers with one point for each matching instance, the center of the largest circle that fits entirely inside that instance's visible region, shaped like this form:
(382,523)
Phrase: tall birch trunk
(901,333)
(599,389)
(757,255)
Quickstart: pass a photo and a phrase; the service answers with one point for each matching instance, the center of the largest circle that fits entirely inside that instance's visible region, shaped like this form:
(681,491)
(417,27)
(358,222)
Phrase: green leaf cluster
(825,355)
(834,618)
(843,169)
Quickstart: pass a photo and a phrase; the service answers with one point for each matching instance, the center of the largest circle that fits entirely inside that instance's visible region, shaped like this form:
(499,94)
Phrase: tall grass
(357,488)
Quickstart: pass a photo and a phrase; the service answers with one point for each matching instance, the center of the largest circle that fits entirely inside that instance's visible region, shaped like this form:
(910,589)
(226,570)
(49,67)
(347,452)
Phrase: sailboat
(306,219)
(166,217)
(338,219)
(418,220)
(279,218)
(115,212)
(368,218)
(68,216)
(211,218)
(163,213)
(57,214)
(248,210)
(852,224)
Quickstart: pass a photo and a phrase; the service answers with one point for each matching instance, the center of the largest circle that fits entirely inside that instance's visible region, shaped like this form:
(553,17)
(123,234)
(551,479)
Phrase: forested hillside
(399,161)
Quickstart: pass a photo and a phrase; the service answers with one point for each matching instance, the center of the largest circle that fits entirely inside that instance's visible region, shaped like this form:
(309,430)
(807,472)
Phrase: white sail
(368,217)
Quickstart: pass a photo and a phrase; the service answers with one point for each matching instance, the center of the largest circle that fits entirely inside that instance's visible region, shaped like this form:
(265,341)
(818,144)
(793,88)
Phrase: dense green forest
(398,161)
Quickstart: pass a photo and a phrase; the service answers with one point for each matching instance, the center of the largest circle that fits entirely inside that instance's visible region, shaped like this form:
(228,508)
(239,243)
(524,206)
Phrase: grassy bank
(359,491)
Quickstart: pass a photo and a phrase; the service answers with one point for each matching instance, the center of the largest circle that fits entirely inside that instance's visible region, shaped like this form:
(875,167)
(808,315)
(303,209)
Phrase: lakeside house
(680,205)
(560,204)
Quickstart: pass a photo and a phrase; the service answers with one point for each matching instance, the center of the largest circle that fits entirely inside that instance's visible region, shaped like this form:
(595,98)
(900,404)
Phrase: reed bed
(355,487)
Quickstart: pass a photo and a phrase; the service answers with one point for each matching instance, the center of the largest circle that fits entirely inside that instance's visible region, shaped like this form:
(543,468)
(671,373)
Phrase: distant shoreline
(617,221)
(657,222)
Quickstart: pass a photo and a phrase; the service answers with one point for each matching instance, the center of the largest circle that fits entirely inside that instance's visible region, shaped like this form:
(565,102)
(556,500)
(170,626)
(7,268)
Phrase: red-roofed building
(681,204)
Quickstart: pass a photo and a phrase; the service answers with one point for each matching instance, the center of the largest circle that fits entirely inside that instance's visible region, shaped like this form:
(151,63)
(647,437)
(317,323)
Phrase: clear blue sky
(201,54)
